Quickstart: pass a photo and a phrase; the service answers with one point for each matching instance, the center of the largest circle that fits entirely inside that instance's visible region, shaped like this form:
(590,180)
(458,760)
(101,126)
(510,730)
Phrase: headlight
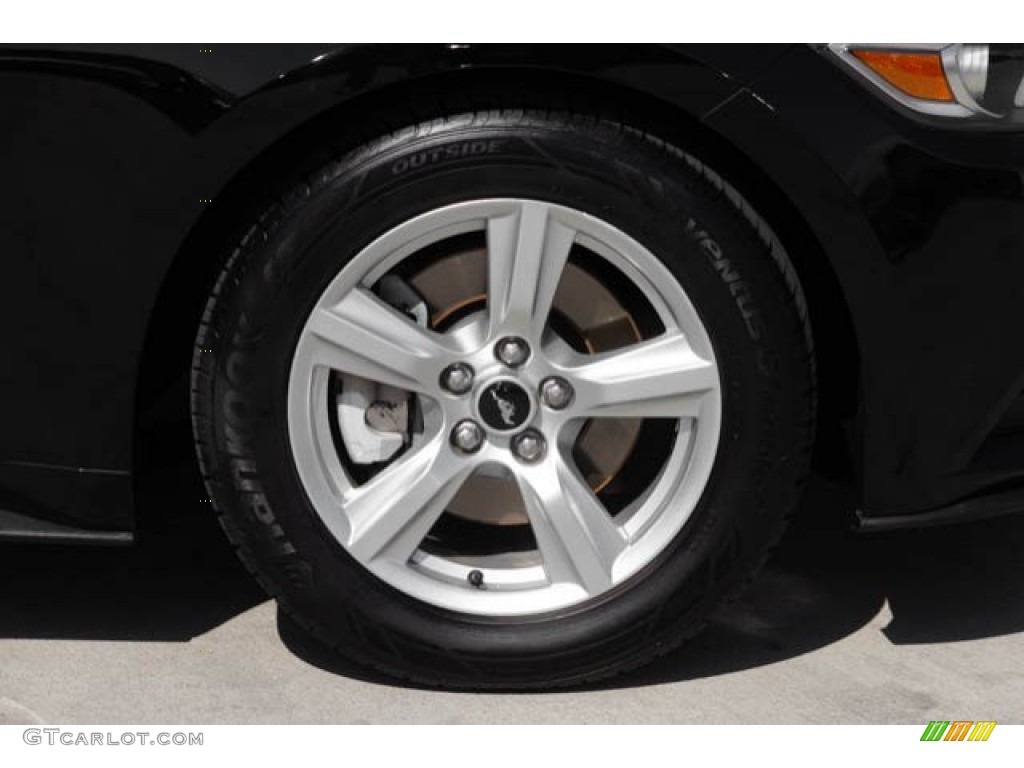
(961,80)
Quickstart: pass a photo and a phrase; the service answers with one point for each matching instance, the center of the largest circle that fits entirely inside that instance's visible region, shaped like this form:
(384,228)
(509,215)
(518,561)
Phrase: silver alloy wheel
(583,550)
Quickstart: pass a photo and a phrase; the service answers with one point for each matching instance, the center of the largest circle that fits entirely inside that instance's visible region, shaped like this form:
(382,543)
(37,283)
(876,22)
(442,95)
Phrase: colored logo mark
(958,730)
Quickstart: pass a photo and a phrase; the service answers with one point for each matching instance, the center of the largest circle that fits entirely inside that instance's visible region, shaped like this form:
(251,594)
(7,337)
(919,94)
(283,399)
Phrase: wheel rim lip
(660,512)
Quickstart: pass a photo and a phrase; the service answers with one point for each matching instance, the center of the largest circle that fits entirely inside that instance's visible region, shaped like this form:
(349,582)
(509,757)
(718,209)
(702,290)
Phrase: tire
(704,402)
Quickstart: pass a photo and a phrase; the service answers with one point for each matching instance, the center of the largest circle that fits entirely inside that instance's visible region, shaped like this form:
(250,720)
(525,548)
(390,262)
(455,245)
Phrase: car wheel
(506,399)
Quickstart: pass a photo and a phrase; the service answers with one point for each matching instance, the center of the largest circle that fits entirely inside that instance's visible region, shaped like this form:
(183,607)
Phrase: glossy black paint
(925,229)
(127,170)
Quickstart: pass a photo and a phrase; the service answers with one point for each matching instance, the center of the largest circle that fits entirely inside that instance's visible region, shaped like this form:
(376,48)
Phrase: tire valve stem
(475,579)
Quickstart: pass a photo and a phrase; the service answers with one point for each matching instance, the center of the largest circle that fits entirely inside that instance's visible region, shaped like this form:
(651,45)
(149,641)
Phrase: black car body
(912,230)
(129,169)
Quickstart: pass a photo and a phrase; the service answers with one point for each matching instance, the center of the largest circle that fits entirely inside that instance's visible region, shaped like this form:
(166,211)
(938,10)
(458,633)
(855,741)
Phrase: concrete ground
(902,628)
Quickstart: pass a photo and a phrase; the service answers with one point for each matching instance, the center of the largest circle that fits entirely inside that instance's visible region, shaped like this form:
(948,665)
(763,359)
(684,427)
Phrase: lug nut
(467,436)
(556,393)
(512,351)
(457,378)
(529,446)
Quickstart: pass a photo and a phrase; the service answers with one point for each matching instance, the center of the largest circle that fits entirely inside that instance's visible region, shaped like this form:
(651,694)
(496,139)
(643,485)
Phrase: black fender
(115,156)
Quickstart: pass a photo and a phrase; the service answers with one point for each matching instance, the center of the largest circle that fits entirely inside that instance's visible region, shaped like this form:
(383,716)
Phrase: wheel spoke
(391,514)
(578,540)
(364,336)
(660,378)
(527,251)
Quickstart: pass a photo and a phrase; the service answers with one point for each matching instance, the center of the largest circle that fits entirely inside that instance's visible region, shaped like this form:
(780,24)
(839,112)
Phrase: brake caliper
(377,420)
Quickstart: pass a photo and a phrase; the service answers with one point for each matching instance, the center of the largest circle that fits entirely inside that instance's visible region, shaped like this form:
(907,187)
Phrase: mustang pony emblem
(507,408)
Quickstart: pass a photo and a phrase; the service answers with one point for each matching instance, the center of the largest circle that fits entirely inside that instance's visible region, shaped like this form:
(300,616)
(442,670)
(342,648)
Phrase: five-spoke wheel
(503,392)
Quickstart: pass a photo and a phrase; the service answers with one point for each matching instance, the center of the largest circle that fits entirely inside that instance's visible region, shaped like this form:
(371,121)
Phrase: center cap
(504,405)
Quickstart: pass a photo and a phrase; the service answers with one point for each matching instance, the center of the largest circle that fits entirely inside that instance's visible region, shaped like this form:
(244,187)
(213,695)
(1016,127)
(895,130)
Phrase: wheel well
(162,429)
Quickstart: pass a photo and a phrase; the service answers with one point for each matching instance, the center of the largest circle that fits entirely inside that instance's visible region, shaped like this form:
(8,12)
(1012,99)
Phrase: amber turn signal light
(916,73)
